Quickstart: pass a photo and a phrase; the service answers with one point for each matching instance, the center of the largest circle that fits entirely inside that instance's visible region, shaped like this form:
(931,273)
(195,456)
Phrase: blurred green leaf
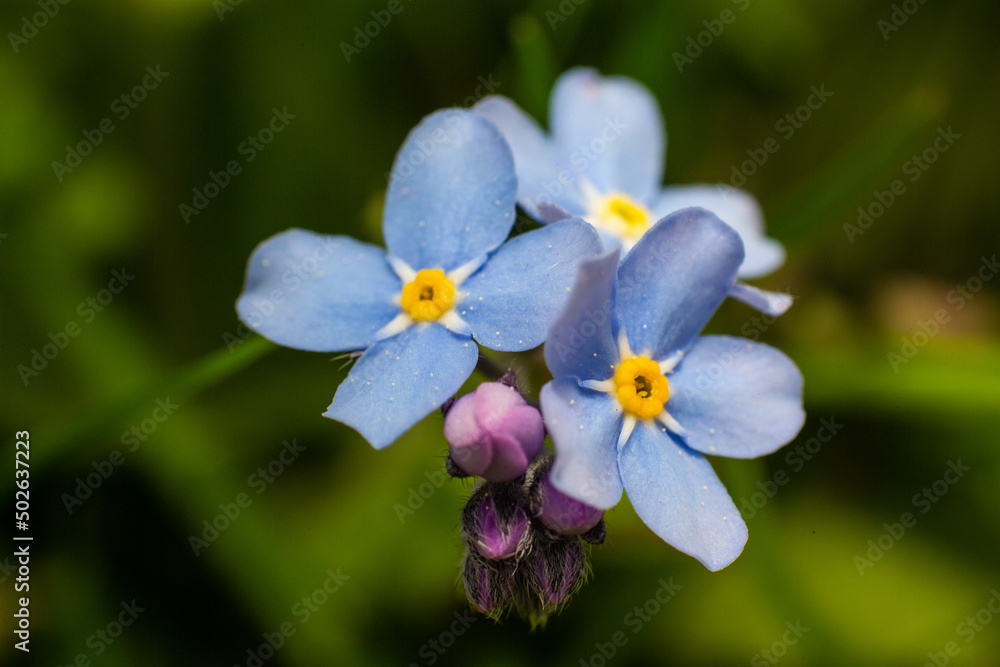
(535,66)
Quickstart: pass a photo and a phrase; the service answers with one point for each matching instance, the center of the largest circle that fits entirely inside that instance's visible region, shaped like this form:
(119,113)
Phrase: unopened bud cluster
(514,557)
(522,535)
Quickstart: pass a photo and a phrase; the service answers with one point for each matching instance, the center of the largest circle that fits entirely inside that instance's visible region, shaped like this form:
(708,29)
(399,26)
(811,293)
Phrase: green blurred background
(171,334)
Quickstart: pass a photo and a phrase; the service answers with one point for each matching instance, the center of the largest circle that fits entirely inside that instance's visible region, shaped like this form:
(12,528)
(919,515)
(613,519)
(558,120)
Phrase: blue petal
(769,303)
(452,192)
(735,397)
(400,380)
(581,342)
(318,293)
(677,494)
(739,210)
(672,281)
(584,426)
(552,212)
(764,255)
(511,302)
(611,131)
(534,158)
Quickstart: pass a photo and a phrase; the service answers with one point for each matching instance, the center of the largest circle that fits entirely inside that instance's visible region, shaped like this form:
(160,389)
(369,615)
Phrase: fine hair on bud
(556,512)
(496,521)
(489,584)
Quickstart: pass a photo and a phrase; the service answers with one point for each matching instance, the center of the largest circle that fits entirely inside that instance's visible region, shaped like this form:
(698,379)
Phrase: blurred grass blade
(535,69)
(771,569)
(200,375)
(849,176)
(953,379)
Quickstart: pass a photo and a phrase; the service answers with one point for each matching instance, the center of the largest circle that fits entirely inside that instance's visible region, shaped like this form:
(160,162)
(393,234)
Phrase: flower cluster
(617,282)
(604,162)
(524,544)
(448,281)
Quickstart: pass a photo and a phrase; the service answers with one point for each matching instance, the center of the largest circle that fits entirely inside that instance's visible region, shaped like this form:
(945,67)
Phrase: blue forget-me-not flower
(638,397)
(447,281)
(603,161)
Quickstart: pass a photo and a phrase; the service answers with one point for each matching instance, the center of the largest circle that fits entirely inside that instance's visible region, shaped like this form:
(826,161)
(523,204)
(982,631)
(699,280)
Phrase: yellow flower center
(428,296)
(640,387)
(623,216)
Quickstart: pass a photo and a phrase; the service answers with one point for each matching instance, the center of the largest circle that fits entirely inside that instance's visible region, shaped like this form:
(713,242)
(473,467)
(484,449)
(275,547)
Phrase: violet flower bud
(558,512)
(489,585)
(564,515)
(496,522)
(492,432)
(556,569)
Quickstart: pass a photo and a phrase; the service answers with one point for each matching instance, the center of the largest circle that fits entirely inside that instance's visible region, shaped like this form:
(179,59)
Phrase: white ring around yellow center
(619,214)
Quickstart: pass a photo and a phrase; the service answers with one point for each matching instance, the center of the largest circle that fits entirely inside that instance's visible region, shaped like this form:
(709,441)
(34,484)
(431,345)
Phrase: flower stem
(838,185)
(198,376)
(533,59)
(489,368)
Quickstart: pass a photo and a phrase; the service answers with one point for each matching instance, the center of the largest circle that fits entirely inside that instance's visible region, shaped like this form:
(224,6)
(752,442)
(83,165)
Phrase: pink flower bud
(492,432)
